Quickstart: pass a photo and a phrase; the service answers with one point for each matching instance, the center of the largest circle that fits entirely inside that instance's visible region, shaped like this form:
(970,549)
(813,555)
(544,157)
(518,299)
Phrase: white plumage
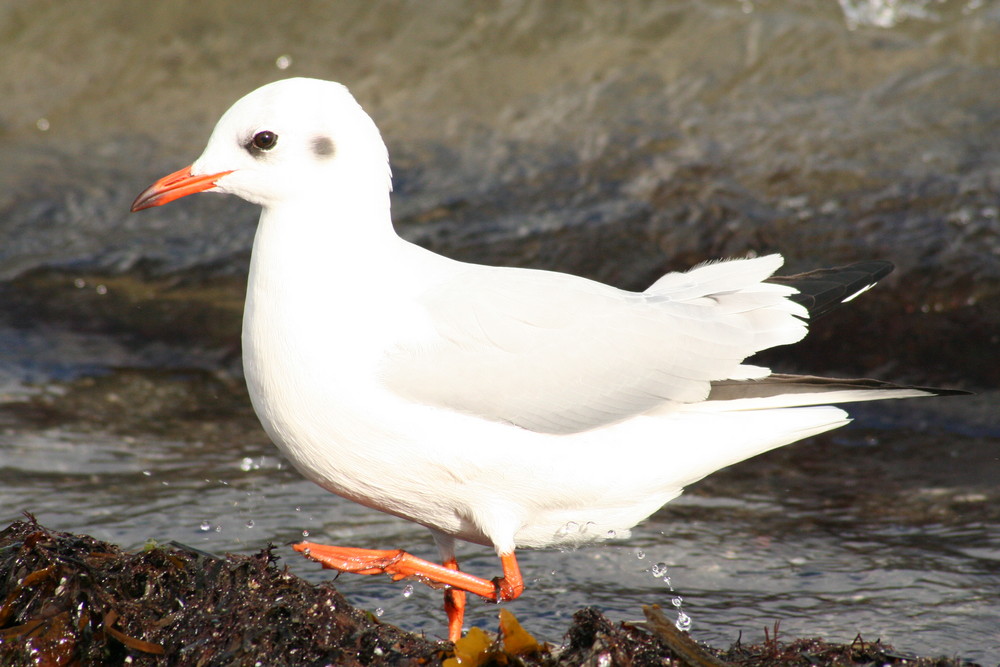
(508,407)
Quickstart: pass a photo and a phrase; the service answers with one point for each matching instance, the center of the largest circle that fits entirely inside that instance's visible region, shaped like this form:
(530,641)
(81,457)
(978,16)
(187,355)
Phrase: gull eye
(264,140)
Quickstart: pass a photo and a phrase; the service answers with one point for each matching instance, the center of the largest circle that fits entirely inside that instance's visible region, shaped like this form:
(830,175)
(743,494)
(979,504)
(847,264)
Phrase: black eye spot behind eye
(323,147)
(264,140)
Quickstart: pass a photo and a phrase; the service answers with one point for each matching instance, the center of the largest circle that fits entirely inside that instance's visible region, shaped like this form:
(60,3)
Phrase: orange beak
(174,186)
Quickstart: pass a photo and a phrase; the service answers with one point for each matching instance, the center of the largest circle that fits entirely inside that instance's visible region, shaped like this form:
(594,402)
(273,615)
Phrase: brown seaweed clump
(73,600)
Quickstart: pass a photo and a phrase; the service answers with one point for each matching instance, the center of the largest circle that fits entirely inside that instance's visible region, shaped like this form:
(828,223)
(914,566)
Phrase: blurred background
(612,140)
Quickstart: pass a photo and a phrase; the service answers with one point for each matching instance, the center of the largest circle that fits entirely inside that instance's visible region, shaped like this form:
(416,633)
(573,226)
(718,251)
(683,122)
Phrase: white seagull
(502,406)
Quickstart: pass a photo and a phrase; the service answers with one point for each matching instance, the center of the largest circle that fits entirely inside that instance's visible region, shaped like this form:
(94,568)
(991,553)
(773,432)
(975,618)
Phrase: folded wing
(555,353)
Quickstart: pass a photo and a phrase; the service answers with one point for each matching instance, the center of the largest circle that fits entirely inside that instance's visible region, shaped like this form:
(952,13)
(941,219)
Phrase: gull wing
(556,353)
(822,290)
(782,391)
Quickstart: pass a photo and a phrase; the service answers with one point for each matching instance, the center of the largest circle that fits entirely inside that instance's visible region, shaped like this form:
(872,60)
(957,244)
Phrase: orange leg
(399,565)
(454,606)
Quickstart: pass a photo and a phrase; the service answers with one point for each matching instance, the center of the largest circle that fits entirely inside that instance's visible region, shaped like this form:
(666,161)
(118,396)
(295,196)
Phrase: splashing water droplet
(659,570)
(305,533)
(570,527)
(677,601)
(612,534)
(407,590)
(249,523)
(246,464)
(205,526)
(640,554)
(683,622)
(379,611)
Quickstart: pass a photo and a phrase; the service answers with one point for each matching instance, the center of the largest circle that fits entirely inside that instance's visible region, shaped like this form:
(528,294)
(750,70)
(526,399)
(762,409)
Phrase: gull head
(289,140)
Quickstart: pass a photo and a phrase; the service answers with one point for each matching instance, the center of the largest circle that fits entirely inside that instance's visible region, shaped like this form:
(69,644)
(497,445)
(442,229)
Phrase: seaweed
(70,599)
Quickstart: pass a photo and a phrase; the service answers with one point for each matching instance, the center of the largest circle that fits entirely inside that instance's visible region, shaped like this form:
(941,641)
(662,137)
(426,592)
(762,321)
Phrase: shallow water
(611,140)
(887,532)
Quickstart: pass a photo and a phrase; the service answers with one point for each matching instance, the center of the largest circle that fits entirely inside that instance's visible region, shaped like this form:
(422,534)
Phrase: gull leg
(399,565)
(454,606)
(454,599)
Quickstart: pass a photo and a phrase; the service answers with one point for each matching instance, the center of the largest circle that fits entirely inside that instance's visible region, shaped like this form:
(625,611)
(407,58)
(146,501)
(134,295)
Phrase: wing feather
(556,353)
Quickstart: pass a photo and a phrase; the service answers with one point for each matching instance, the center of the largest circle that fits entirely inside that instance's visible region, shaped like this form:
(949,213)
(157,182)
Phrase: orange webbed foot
(400,565)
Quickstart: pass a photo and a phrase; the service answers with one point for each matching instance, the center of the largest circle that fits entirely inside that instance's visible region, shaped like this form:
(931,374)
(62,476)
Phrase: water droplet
(305,533)
(218,528)
(569,527)
(283,61)
(42,124)
(659,570)
(604,660)
(249,523)
(205,526)
(612,534)
(683,622)
(147,473)
(379,611)
(677,601)
(79,283)
(407,590)
(640,554)
(246,464)
(101,289)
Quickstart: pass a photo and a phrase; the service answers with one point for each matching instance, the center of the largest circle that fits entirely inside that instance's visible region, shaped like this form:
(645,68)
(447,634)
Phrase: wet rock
(608,143)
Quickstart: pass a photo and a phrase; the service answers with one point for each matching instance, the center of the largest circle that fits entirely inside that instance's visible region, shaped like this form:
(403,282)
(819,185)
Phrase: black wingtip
(822,290)
(780,384)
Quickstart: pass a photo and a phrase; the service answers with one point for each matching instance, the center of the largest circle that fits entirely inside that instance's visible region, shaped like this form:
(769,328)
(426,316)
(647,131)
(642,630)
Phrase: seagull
(507,407)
